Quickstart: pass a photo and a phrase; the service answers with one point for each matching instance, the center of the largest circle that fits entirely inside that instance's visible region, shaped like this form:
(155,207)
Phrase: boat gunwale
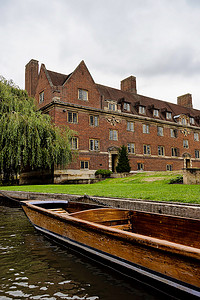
(152,242)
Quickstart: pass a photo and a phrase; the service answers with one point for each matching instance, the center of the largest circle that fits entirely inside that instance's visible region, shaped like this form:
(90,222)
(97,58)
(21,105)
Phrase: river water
(32,267)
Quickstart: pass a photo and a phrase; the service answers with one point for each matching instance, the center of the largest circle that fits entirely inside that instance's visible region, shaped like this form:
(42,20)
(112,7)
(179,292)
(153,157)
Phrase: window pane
(95,121)
(69,117)
(74,118)
(96,145)
(196,136)
(196,153)
(160,131)
(115,135)
(82,94)
(91,145)
(41,97)
(91,120)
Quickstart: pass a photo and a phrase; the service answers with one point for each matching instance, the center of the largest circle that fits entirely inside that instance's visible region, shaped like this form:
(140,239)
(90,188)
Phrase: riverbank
(162,207)
(154,186)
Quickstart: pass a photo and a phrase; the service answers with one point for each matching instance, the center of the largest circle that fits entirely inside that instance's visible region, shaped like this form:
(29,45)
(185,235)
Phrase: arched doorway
(187,160)
(113,158)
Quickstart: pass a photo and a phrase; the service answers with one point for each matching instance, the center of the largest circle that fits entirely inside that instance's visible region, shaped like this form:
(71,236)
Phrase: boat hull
(157,265)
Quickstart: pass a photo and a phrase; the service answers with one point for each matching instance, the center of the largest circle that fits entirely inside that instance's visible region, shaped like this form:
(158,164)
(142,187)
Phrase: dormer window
(141,110)
(168,115)
(191,120)
(82,94)
(183,121)
(112,106)
(156,113)
(126,106)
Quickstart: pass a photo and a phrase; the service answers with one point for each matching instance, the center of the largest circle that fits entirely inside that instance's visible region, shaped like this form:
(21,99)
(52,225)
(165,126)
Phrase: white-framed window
(94,145)
(72,117)
(161,150)
(168,115)
(146,128)
(196,136)
(82,94)
(130,126)
(160,131)
(156,113)
(185,144)
(142,110)
(74,143)
(169,167)
(113,135)
(94,121)
(41,97)
(191,120)
(126,106)
(183,121)
(147,149)
(112,106)
(84,164)
(197,154)
(173,133)
(174,151)
(131,148)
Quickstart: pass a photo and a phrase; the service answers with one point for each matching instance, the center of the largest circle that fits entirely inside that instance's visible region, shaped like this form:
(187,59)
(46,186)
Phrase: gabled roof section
(82,66)
(58,79)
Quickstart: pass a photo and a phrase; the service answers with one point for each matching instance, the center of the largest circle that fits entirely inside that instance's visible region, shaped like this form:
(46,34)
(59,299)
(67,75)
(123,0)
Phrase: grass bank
(147,185)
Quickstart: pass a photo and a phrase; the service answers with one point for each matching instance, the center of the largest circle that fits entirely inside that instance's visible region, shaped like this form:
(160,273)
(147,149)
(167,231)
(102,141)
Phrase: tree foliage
(27,137)
(123,165)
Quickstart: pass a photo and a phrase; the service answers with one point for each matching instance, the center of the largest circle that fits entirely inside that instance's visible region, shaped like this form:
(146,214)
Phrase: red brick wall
(68,94)
(43,85)
(81,79)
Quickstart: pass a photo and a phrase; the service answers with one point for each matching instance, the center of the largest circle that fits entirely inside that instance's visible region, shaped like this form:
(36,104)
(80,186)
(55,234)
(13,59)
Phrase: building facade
(159,135)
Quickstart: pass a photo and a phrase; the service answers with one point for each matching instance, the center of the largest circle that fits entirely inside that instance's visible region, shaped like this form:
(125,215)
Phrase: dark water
(31,267)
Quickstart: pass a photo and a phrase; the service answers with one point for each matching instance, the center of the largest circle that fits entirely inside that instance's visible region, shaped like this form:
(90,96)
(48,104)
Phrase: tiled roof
(136,99)
(57,78)
(109,93)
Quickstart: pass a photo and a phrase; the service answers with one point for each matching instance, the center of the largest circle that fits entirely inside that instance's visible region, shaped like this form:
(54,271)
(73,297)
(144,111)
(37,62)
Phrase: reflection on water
(31,267)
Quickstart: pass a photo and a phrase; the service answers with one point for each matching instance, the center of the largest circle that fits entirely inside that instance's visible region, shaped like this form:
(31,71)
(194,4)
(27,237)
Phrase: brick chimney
(31,77)
(129,85)
(185,100)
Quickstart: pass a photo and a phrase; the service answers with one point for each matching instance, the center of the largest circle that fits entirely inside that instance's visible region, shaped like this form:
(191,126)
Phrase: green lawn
(150,186)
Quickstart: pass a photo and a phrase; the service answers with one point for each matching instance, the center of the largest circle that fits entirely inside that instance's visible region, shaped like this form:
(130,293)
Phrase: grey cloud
(116,38)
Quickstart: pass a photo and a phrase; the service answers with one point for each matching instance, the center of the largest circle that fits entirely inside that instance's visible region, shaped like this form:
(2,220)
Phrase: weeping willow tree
(27,137)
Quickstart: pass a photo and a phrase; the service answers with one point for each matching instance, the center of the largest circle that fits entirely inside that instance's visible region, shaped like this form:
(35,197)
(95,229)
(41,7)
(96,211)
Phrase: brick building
(159,135)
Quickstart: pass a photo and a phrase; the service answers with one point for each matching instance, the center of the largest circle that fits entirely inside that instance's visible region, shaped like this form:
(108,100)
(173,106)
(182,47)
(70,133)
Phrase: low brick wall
(161,207)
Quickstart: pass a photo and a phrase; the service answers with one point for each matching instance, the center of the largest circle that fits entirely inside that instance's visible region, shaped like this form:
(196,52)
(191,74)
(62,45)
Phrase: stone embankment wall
(169,208)
(191,176)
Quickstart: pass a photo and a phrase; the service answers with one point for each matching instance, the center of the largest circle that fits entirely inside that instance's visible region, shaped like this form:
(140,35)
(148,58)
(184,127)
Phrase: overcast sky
(158,41)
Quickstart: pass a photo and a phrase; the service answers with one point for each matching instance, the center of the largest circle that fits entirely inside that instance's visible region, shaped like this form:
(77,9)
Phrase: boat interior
(175,229)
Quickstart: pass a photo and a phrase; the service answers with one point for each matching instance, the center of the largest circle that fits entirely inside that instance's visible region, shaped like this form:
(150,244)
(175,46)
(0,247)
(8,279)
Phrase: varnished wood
(165,244)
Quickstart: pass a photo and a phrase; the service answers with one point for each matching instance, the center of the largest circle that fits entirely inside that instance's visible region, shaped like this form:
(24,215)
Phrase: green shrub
(103,173)
(178,179)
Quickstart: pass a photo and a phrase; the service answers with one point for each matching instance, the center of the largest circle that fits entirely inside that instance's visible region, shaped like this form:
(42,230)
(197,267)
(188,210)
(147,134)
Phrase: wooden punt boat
(161,250)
